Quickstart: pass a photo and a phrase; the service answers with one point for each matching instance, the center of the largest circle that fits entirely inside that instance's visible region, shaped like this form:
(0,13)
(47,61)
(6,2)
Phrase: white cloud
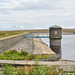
(66,27)
(37,11)
(39,28)
(22,27)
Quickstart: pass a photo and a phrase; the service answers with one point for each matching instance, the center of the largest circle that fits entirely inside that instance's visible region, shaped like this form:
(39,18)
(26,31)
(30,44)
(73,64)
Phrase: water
(67,46)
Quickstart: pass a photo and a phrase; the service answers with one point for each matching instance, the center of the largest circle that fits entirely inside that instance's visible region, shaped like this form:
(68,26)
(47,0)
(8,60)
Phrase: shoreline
(68,33)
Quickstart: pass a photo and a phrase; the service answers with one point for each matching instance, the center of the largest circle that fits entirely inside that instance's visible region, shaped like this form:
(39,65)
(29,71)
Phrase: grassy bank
(4,34)
(14,55)
(69,30)
(35,70)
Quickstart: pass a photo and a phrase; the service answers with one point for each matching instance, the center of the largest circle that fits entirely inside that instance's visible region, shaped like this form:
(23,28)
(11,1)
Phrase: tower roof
(55,26)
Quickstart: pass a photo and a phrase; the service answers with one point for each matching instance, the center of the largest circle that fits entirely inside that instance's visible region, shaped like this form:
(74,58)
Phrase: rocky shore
(56,57)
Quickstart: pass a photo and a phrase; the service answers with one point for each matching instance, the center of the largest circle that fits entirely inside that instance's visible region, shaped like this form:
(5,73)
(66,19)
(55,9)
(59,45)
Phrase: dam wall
(30,45)
(7,43)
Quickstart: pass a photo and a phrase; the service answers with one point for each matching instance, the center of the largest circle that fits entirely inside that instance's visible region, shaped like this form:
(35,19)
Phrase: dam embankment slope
(33,46)
(30,45)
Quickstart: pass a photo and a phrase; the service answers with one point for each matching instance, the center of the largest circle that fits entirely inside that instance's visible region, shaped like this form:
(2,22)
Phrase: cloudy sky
(36,14)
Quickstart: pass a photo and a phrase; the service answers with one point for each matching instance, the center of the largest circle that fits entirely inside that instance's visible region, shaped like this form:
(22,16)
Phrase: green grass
(43,56)
(14,55)
(35,70)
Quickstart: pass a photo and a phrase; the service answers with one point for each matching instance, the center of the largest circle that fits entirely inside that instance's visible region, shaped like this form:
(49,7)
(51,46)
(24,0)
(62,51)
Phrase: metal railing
(37,35)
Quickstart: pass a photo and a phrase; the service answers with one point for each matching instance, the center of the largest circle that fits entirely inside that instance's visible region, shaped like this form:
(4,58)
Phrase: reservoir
(67,46)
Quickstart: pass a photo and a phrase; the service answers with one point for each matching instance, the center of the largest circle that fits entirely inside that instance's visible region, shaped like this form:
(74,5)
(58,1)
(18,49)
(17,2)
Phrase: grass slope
(4,34)
(14,55)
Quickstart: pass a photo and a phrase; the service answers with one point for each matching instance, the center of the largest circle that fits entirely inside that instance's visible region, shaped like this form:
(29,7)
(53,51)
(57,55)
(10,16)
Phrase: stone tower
(55,35)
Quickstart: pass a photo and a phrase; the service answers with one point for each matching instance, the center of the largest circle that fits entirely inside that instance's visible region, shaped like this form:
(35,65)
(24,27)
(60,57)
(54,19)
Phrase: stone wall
(8,43)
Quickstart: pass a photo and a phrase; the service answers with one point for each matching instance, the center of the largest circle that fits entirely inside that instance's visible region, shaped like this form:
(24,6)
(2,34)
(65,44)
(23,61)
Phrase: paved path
(63,63)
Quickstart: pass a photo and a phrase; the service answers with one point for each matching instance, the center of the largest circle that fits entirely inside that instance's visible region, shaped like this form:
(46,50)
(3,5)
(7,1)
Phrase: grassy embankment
(14,55)
(5,34)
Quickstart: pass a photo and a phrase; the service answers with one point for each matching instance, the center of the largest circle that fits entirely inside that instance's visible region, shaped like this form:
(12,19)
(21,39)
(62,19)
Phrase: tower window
(55,32)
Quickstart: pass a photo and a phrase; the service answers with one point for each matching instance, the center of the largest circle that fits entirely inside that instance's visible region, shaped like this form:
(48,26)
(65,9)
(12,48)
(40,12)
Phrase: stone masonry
(8,43)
